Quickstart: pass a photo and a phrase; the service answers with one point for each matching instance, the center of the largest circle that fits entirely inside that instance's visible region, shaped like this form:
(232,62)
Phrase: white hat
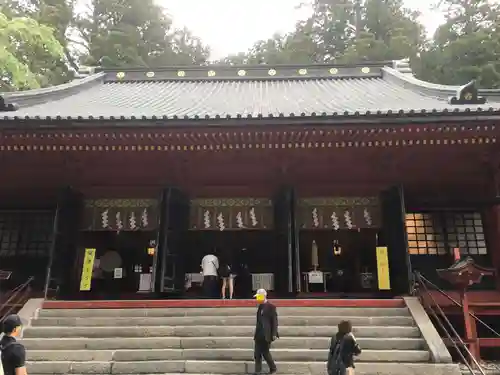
(261,292)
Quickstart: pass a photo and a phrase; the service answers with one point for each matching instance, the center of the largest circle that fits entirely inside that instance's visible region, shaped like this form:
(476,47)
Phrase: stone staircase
(218,340)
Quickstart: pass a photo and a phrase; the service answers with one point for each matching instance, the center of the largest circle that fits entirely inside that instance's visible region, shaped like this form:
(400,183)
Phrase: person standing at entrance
(227,275)
(244,286)
(266,331)
(12,352)
(209,270)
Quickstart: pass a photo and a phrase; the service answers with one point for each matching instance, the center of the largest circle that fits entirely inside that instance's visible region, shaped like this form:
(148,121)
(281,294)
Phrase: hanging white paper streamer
(132,221)
(348,219)
(335,221)
(315,217)
(145,218)
(368,217)
(220,220)
(253,217)
(239,220)
(105,218)
(119,222)
(206,219)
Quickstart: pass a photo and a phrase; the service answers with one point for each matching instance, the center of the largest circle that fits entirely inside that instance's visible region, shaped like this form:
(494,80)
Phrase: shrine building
(318,180)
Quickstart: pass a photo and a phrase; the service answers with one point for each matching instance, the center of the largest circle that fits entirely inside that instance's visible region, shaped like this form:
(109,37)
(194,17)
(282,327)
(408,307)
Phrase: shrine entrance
(123,263)
(346,259)
(239,231)
(337,240)
(250,253)
(115,255)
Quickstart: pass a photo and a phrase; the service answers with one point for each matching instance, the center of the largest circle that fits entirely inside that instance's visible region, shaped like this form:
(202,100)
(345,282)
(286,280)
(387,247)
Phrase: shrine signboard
(339,213)
(120,214)
(231,214)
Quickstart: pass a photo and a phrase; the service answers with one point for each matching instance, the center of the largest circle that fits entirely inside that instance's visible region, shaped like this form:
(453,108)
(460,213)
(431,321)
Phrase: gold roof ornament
(467,94)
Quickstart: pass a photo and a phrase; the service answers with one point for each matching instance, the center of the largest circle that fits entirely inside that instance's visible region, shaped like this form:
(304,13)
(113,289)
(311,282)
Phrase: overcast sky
(231,26)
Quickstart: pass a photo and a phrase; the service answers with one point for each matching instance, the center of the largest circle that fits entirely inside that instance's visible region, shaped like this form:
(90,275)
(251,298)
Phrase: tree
(388,31)
(28,50)
(347,31)
(465,47)
(332,27)
(289,48)
(58,15)
(135,33)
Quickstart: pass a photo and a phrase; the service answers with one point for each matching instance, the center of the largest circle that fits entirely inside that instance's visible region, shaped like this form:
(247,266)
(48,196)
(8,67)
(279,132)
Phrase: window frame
(26,233)
(449,234)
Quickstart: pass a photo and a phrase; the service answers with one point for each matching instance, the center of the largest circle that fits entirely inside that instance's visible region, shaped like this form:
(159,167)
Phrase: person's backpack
(335,364)
(2,350)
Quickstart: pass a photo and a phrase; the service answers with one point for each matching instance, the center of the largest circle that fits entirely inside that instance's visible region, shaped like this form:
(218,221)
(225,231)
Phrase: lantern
(337,250)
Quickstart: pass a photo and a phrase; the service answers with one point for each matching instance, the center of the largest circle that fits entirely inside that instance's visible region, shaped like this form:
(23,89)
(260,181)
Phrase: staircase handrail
(457,303)
(420,281)
(22,288)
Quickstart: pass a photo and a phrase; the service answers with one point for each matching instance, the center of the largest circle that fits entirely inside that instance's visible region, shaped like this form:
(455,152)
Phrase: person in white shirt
(209,270)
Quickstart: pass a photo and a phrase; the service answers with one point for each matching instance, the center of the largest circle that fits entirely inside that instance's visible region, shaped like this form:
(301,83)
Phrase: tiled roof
(203,93)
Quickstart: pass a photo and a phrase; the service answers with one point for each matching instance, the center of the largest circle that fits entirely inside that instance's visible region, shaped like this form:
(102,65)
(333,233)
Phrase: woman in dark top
(343,348)
(227,275)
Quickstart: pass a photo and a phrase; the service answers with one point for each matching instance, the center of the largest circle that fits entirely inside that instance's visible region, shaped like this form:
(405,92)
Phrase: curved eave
(486,271)
(37,96)
(428,88)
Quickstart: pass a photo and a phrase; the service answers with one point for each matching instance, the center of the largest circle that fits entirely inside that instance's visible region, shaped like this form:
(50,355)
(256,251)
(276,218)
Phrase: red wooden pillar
(492,229)
(470,326)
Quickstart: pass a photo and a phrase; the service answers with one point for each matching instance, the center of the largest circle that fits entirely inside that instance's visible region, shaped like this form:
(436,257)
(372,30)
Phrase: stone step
(232,367)
(218,355)
(224,311)
(221,321)
(211,342)
(196,331)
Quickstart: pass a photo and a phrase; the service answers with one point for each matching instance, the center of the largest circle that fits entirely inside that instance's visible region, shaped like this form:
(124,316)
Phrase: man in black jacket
(266,331)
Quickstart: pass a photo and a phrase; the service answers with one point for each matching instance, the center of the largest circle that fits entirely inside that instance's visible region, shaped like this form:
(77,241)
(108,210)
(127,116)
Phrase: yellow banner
(384,282)
(88,267)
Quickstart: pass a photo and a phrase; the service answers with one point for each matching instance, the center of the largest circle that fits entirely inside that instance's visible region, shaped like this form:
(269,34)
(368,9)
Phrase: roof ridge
(47,94)
(224,72)
(245,79)
(371,64)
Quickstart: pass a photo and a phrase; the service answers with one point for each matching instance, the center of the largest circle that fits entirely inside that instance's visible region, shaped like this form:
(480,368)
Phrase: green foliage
(135,33)
(465,47)
(24,47)
(345,31)
(111,33)
(389,32)
(45,40)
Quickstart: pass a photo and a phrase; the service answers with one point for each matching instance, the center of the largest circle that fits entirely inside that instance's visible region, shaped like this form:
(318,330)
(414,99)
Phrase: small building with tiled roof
(285,160)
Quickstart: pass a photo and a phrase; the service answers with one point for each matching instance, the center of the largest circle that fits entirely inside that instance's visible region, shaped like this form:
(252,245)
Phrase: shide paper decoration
(231,214)
(339,213)
(120,214)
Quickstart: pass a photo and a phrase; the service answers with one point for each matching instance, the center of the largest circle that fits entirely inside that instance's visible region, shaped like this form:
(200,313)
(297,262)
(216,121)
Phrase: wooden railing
(15,299)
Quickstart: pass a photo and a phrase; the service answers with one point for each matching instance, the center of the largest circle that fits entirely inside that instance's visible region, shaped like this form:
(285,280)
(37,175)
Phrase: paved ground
(489,367)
